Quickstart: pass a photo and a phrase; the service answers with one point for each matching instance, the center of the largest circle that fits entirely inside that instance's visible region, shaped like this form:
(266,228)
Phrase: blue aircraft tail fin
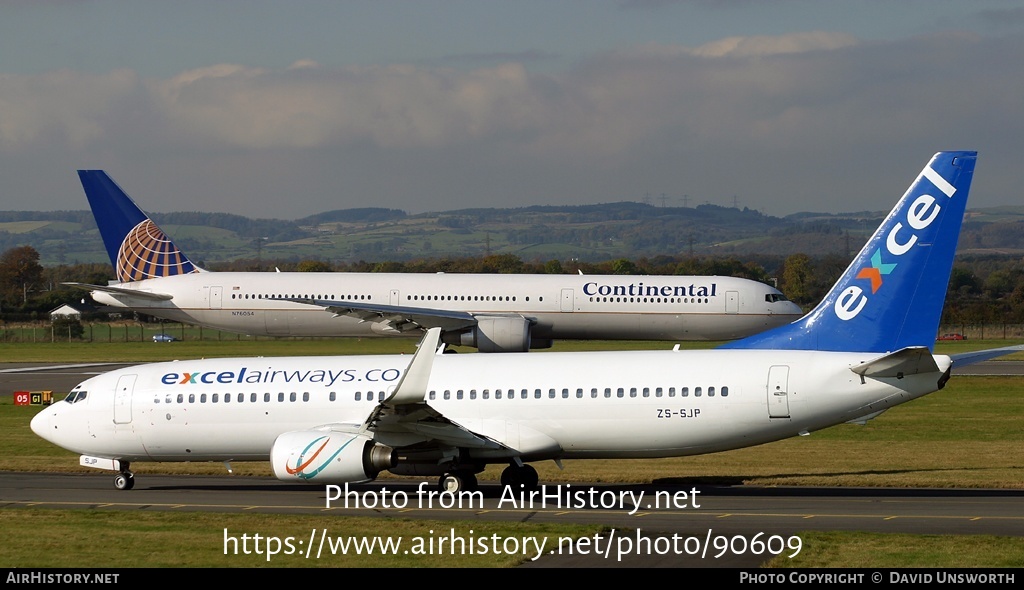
(138,249)
(891,295)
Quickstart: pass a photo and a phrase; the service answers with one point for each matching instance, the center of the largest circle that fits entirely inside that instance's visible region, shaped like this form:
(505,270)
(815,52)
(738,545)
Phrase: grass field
(970,435)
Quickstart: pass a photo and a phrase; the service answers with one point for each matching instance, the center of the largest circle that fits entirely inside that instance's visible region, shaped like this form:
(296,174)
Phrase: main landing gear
(519,477)
(125,479)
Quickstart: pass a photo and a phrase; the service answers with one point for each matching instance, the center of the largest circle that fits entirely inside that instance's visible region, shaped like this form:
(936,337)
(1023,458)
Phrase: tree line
(982,289)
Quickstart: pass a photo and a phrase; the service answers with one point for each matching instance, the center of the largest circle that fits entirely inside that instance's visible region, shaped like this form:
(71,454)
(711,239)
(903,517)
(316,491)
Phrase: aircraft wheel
(124,481)
(469,482)
(524,477)
(451,483)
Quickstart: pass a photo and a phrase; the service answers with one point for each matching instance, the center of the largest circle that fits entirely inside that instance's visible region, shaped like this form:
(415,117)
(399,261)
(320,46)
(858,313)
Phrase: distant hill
(589,233)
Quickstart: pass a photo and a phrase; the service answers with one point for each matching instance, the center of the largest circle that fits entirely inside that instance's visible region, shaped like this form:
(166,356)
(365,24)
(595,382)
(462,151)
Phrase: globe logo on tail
(147,253)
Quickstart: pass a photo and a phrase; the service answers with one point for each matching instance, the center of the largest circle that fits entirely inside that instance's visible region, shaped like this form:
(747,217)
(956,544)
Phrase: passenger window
(684,392)
(725,391)
(696,391)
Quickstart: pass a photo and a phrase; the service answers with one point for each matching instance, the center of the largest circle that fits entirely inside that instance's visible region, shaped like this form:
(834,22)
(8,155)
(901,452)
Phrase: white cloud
(720,117)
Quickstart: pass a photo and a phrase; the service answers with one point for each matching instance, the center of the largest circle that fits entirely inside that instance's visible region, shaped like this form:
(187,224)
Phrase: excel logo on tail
(899,239)
(146,253)
(875,272)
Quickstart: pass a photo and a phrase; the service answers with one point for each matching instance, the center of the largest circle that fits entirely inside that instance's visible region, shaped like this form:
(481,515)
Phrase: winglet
(137,248)
(412,387)
(891,295)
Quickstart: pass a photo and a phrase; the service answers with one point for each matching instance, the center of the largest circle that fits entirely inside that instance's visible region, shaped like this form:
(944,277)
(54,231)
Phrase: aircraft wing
(122,291)
(406,414)
(399,318)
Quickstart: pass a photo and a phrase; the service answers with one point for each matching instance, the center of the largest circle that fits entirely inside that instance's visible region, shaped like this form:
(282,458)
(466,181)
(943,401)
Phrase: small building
(66,312)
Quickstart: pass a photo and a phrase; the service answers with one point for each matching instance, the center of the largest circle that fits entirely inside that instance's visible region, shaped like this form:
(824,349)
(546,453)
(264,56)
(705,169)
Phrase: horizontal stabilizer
(969,358)
(908,361)
(121,291)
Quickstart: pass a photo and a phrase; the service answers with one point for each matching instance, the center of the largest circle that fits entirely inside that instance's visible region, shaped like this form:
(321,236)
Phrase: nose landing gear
(125,479)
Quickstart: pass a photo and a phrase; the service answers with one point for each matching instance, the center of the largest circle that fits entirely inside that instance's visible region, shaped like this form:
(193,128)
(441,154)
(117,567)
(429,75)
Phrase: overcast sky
(285,109)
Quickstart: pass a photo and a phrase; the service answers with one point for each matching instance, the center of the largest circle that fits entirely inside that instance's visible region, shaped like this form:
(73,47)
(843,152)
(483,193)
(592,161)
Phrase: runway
(658,510)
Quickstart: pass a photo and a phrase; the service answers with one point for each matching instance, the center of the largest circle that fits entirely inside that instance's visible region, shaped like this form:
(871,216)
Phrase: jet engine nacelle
(327,456)
(497,334)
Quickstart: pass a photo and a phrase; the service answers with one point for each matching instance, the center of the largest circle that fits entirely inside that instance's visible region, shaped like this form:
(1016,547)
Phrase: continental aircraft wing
(122,291)
(400,318)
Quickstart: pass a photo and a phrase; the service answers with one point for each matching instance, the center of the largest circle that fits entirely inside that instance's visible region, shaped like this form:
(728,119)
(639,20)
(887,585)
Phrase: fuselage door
(568,301)
(396,298)
(732,302)
(778,392)
(123,399)
(215,297)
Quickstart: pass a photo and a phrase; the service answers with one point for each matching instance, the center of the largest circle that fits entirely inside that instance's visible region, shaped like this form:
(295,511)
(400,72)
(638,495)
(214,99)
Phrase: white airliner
(494,313)
(865,348)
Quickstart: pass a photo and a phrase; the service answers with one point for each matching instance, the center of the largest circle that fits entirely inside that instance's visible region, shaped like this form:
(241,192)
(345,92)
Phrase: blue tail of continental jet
(891,295)
(138,249)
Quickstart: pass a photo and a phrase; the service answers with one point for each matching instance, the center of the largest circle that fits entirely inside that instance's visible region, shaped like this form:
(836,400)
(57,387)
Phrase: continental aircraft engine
(497,334)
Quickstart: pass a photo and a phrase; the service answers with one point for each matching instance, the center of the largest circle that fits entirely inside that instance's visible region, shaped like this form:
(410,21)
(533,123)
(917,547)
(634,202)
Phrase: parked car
(953,336)
(164,338)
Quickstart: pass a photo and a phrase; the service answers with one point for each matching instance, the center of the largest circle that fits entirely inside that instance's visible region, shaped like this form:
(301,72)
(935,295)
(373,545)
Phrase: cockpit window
(75,397)
(775,297)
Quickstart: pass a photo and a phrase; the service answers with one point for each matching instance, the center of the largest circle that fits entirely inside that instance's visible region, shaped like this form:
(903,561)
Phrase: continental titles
(642,290)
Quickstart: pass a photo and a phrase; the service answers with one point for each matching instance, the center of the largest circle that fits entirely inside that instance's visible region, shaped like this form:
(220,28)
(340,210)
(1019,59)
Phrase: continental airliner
(329,420)
(491,312)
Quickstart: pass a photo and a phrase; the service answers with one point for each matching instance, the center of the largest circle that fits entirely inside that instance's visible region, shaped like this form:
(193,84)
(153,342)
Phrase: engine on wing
(495,334)
(327,456)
